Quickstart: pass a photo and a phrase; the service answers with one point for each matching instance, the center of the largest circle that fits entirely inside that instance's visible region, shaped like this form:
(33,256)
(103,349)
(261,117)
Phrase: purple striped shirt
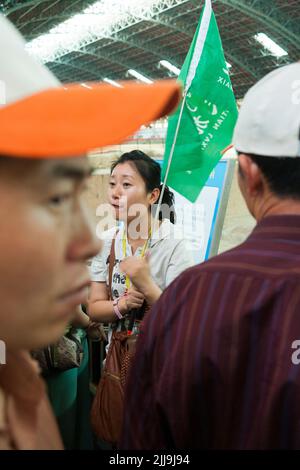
(215,367)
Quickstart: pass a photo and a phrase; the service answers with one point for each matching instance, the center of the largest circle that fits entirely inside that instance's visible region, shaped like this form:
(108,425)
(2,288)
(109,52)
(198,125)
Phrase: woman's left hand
(138,271)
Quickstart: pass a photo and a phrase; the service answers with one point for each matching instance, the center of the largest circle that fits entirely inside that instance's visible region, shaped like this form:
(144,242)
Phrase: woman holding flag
(146,258)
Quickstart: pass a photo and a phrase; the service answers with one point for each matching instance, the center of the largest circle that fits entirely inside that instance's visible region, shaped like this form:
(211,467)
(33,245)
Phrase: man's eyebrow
(71,172)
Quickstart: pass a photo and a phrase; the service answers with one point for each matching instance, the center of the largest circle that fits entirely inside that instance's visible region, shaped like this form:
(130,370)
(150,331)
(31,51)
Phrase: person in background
(69,392)
(217,364)
(45,236)
(145,262)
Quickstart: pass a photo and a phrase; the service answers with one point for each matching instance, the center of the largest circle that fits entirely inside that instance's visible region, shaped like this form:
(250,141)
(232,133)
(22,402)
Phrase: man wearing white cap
(45,237)
(218,363)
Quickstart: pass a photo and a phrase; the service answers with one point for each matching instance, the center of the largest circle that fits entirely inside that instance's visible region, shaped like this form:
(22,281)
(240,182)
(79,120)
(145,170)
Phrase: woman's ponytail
(167,210)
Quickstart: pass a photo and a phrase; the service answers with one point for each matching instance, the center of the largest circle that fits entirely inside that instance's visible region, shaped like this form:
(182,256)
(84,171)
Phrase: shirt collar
(277,226)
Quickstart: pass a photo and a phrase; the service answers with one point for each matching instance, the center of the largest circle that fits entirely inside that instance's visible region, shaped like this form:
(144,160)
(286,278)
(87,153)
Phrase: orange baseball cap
(39,118)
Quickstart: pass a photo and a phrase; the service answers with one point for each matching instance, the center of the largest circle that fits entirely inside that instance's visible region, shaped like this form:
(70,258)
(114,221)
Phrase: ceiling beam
(18,6)
(108,57)
(28,11)
(230,52)
(157,52)
(132,41)
(66,63)
(126,22)
(269,16)
(61,17)
(38,19)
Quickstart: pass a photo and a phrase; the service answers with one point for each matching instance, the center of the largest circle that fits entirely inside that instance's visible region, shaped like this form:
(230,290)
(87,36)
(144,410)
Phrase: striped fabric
(213,368)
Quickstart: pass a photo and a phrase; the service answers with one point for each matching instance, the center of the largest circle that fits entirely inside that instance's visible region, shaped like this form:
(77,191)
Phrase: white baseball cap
(40,118)
(269,119)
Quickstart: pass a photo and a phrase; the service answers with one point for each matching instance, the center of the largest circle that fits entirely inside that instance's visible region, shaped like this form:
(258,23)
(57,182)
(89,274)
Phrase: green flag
(203,124)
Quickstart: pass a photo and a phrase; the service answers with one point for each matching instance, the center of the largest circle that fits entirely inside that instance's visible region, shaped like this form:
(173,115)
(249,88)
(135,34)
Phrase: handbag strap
(111,263)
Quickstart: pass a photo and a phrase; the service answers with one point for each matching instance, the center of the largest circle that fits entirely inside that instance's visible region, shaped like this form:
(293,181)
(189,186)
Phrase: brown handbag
(108,404)
(107,408)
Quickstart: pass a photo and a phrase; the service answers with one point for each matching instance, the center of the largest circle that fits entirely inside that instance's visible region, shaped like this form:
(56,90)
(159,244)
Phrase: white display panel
(201,222)
(194,220)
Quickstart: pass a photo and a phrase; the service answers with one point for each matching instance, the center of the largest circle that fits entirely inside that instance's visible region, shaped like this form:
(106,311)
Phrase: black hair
(150,171)
(281,173)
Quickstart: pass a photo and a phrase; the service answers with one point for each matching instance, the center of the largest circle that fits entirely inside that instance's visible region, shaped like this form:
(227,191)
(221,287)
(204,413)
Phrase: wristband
(116,308)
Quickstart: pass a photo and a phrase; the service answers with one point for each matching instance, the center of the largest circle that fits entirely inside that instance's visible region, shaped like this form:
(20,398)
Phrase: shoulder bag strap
(111,263)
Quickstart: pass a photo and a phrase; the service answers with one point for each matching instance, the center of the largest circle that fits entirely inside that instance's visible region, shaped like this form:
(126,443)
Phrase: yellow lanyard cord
(143,252)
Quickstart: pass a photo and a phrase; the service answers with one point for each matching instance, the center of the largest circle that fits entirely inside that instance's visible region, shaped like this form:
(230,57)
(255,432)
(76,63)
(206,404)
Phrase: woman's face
(127,193)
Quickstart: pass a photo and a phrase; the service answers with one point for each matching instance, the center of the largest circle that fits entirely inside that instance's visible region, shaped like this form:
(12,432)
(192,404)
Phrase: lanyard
(124,243)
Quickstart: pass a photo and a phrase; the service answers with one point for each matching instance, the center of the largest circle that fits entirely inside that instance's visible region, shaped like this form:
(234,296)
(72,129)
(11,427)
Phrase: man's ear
(251,174)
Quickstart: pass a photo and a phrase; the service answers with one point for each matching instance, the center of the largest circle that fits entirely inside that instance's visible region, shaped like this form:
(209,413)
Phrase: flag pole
(169,163)
(191,74)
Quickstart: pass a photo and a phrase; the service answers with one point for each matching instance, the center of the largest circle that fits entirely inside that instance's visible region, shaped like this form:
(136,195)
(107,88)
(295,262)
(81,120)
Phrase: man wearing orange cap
(45,238)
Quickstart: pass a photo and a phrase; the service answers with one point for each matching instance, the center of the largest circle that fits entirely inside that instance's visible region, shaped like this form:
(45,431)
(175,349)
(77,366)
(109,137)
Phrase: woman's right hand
(132,299)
